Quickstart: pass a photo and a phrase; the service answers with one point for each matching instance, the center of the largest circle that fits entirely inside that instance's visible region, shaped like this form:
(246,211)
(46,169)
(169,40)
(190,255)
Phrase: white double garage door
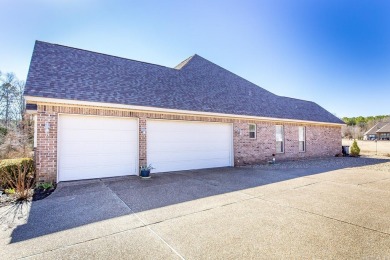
(97,147)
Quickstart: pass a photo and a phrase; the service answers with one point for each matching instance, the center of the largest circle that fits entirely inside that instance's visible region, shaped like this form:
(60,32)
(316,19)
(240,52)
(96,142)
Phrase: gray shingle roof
(375,128)
(384,129)
(196,84)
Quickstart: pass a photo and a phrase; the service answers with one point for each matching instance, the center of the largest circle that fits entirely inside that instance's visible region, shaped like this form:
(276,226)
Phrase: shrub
(9,191)
(18,174)
(355,150)
(45,185)
(14,144)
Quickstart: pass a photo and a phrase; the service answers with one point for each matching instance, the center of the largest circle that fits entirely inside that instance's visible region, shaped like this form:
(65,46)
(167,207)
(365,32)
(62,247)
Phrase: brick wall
(46,150)
(320,140)
(142,141)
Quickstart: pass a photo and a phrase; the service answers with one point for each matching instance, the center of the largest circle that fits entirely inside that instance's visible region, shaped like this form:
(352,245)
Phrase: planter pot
(145,174)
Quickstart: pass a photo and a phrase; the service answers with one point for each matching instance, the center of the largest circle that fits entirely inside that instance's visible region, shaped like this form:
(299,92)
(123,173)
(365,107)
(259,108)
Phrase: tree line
(361,120)
(16,129)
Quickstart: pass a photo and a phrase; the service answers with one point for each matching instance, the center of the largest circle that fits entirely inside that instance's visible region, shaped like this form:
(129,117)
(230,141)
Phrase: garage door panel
(96,147)
(190,165)
(100,135)
(98,159)
(99,123)
(193,130)
(189,136)
(184,145)
(183,136)
(165,156)
(98,171)
(189,146)
(189,126)
(77,173)
(93,135)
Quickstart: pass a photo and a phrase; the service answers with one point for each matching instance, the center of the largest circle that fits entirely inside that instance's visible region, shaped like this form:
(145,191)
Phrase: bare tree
(16,131)
(11,99)
(20,102)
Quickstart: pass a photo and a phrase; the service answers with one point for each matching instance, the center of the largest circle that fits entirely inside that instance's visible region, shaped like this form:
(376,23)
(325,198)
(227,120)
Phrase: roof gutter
(40,100)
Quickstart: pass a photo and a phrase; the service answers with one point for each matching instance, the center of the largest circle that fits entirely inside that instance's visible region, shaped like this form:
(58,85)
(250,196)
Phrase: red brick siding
(320,140)
(142,141)
(46,151)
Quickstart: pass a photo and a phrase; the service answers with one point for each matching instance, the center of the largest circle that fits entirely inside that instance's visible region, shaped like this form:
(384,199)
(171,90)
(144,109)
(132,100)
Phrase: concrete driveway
(227,213)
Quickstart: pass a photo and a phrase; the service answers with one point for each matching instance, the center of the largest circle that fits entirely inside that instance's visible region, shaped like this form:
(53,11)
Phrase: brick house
(98,116)
(384,132)
(380,131)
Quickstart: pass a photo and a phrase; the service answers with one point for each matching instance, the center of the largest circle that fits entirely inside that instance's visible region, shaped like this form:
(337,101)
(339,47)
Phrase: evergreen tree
(355,150)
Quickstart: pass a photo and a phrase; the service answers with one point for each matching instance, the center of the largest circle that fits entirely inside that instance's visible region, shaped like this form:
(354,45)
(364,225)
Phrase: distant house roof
(375,128)
(196,84)
(384,129)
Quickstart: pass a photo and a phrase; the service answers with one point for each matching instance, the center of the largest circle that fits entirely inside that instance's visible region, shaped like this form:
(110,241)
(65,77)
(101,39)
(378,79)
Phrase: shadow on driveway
(84,202)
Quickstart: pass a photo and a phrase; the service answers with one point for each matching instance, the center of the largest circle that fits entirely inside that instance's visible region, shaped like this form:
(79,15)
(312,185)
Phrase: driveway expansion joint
(79,243)
(145,225)
(298,187)
(361,184)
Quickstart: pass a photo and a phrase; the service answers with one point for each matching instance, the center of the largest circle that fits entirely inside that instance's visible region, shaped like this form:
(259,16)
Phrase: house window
(302,139)
(252,131)
(385,136)
(279,139)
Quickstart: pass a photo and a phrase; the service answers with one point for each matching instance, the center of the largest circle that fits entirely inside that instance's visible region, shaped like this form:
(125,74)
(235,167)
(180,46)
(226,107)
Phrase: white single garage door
(184,145)
(96,147)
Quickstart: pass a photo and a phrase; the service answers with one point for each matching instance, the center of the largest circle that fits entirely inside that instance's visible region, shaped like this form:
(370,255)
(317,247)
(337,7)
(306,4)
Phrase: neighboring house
(380,131)
(384,132)
(99,115)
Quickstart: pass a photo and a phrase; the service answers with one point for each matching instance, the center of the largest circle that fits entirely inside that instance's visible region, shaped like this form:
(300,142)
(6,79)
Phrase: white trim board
(166,110)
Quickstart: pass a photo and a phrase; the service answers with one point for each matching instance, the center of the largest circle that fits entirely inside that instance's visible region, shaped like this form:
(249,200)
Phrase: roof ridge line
(105,54)
(296,99)
(383,126)
(376,126)
(183,63)
(235,74)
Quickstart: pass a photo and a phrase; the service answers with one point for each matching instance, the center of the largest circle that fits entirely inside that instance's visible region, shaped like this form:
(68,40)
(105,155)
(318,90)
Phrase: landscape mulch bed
(39,194)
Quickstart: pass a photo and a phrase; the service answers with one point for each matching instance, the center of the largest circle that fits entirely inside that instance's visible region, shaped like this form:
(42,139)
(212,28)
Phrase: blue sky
(335,53)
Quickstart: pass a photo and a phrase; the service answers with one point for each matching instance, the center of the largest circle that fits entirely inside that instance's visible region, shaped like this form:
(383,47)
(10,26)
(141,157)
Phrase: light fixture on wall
(238,131)
(143,130)
(47,128)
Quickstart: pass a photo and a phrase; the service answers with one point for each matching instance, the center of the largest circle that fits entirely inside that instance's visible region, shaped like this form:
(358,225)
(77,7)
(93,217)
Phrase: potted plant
(145,171)
(273,161)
